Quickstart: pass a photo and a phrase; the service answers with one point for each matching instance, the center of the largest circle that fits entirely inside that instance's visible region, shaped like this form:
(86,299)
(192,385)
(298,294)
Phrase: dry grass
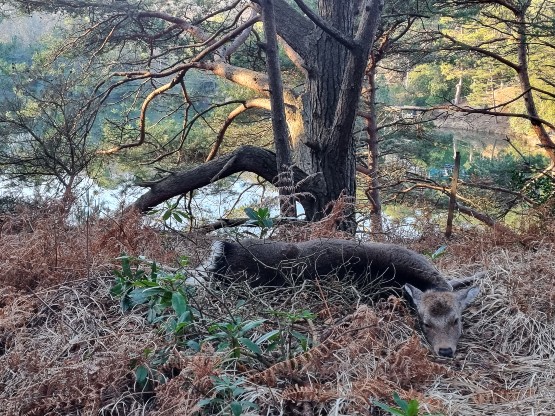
(67,349)
(38,248)
(506,360)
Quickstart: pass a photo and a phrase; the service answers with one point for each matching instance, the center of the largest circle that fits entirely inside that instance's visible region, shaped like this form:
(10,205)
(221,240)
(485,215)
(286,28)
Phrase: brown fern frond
(312,393)
(174,398)
(410,365)
(328,226)
(293,366)
(368,389)
(353,333)
(500,395)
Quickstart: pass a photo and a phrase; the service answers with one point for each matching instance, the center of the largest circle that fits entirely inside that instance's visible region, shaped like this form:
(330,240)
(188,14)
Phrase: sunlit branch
(188,128)
(482,51)
(254,103)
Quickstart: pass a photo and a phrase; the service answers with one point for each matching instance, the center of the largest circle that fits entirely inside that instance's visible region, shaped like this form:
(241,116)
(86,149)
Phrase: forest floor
(67,348)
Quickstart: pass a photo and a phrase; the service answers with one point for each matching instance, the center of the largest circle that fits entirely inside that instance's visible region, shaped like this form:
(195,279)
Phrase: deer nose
(446,352)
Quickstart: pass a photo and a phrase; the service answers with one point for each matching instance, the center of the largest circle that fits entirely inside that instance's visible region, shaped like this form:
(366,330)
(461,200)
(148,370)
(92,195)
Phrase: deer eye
(455,321)
(426,325)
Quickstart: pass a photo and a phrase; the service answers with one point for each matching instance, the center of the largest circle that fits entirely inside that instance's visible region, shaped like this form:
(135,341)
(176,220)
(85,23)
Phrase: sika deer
(274,263)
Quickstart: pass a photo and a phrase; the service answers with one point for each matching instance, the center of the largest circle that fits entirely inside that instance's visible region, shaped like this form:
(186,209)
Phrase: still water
(228,197)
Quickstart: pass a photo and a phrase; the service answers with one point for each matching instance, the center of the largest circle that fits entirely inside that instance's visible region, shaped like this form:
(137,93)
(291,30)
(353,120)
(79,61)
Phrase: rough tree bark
(321,118)
(279,123)
(331,44)
(329,146)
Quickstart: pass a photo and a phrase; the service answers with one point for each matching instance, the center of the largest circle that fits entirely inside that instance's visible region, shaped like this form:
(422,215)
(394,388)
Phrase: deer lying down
(273,263)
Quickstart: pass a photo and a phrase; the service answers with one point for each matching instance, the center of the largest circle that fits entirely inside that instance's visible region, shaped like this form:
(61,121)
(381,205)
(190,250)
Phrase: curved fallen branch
(246,158)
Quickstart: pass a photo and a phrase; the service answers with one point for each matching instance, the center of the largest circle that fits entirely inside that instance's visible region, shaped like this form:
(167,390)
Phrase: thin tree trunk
(525,85)
(458,91)
(373,190)
(453,195)
(279,124)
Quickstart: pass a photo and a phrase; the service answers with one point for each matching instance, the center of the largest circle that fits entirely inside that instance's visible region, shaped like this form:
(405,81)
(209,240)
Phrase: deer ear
(414,293)
(466,296)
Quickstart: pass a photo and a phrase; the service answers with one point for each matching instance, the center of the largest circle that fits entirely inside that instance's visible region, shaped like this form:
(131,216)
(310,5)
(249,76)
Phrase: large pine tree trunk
(320,119)
(314,152)
(325,145)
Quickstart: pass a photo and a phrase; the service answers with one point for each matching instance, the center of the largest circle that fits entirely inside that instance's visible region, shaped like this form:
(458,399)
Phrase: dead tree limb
(246,158)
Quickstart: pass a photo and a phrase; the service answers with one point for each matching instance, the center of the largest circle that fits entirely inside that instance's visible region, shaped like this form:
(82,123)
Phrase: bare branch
(254,80)
(226,38)
(239,40)
(188,124)
(480,216)
(486,219)
(444,189)
(488,111)
(176,80)
(482,51)
(542,91)
(499,189)
(255,103)
(235,222)
(142,118)
(183,24)
(216,12)
(322,24)
(292,54)
(504,3)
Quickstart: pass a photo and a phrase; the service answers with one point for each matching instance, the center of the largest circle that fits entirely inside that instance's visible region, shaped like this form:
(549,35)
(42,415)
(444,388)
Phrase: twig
(52,310)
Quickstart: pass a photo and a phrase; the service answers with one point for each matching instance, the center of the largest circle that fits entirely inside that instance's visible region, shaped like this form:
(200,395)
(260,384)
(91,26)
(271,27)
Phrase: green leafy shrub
(165,295)
(405,408)
(261,218)
(232,335)
(171,212)
(228,390)
(166,301)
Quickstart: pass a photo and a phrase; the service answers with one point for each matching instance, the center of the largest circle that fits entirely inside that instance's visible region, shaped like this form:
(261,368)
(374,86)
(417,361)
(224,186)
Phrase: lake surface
(229,197)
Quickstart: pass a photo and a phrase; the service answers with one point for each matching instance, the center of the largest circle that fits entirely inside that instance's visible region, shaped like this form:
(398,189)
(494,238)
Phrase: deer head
(440,313)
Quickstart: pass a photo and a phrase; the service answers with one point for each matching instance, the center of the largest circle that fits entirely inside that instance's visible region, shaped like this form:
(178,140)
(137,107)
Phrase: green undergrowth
(237,333)
(172,306)
(404,407)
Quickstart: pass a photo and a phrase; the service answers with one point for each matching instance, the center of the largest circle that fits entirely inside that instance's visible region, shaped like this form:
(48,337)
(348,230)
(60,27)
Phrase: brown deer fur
(275,263)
